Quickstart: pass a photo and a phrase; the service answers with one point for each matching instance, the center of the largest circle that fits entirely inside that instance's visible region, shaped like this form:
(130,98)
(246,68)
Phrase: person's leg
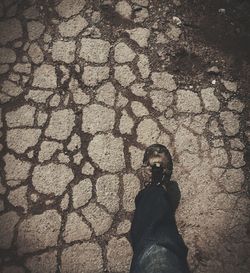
(156,242)
(157,245)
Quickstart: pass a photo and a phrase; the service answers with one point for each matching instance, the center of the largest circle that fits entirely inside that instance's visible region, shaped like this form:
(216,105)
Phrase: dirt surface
(86,86)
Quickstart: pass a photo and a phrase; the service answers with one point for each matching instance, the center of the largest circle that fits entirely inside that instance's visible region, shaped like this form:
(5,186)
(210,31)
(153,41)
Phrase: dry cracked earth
(85,88)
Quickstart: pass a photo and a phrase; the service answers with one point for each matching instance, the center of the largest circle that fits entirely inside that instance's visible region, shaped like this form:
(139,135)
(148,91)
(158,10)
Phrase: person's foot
(156,156)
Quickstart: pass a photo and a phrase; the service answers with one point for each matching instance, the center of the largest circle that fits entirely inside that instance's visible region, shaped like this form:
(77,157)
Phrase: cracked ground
(85,88)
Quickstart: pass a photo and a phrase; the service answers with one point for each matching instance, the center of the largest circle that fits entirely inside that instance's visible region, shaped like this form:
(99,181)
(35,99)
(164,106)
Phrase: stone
(96,17)
(75,143)
(163,80)
(164,139)
(173,32)
(123,227)
(64,202)
(213,70)
(214,128)
(52,178)
(35,53)
(22,68)
(72,27)
(41,118)
(106,94)
(219,157)
(46,262)
(232,180)
(121,101)
(124,9)
(139,109)
(30,154)
(23,116)
(63,158)
(69,8)
(13,269)
(15,169)
(100,220)
(8,222)
(107,151)
(237,159)
(230,122)
(143,65)
(20,140)
(136,157)
(143,3)
(34,197)
(61,124)
(64,51)
(93,75)
(138,89)
(76,229)
(94,50)
(131,187)
(45,77)
(141,15)
(18,198)
(4,68)
(107,187)
(185,141)
(66,75)
(77,158)
(35,30)
(210,100)
(225,201)
(161,100)
(161,38)
(47,38)
(236,105)
(10,30)
(198,124)
(31,13)
(188,102)
(7,55)
(38,96)
(236,144)
(218,143)
(80,97)
(230,86)
(124,75)
(14,77)
(147,132)
(119,255)
(55,100)
(48,148)
(126,123)
(84,257)
(32,230)
(97,118)
(140,36)
(88,169)
(123,53)
(93,31)
(11,89)
(189,161)
(82,193)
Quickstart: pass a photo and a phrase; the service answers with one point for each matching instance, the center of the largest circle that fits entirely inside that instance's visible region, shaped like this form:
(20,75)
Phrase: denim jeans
(157,245)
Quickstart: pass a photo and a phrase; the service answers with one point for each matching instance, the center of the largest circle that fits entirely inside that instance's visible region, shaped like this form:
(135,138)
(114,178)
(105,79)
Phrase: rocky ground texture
(85,87)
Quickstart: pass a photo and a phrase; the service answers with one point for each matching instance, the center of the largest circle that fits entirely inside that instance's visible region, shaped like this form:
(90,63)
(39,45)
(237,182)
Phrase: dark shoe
(157,165)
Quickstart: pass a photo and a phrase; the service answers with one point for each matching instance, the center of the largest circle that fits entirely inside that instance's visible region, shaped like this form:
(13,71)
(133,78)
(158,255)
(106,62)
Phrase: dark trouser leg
(157,245)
